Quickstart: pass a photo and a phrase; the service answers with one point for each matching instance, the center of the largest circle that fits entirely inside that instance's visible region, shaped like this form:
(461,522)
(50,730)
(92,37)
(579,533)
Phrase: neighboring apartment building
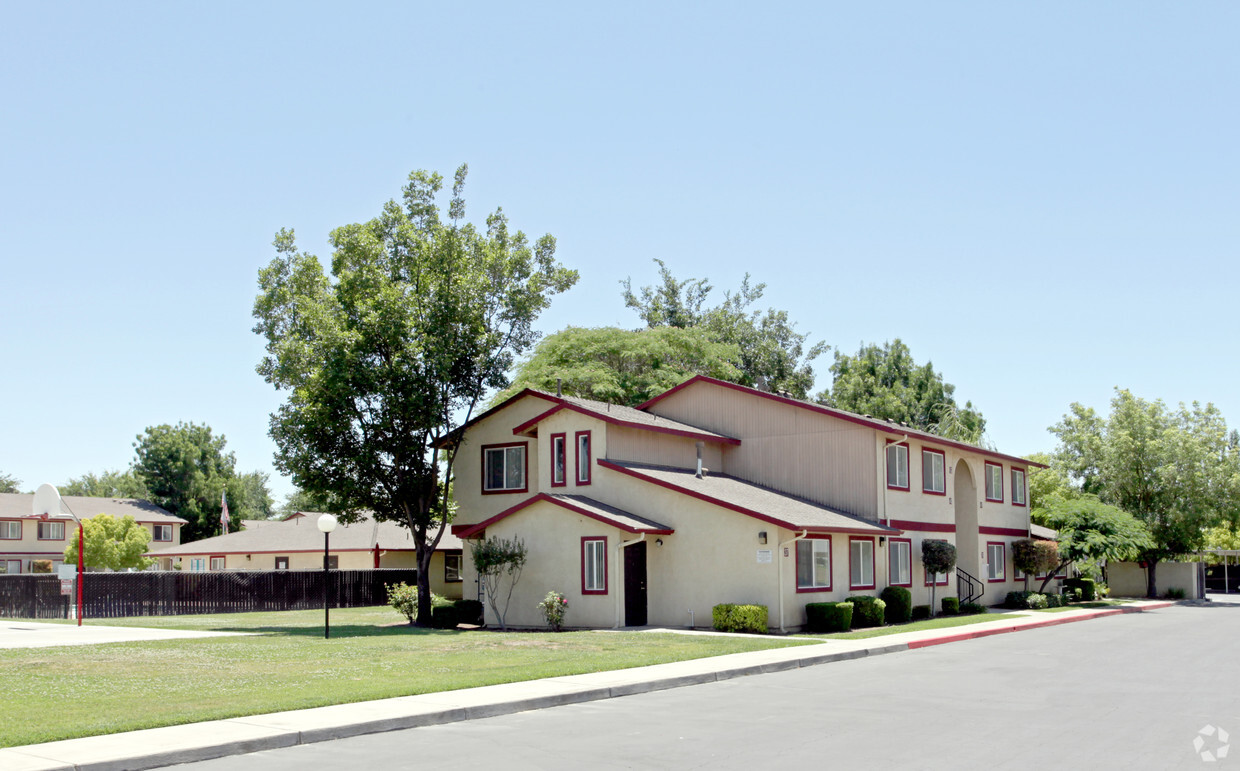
(31,544)
(296,543)
(795,503)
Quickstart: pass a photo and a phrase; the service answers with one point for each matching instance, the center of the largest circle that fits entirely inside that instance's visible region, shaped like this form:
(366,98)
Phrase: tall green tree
(300,500)
(9,484)
(186,471)
(886,382)
(622,366)
(1176,471)
(1093,532)
(772,354)
(111,544)
(384,360)
(256,503)
(108,484)
(1049,484)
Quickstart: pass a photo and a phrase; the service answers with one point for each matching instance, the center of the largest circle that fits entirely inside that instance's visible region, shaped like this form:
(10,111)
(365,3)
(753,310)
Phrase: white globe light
(327,523)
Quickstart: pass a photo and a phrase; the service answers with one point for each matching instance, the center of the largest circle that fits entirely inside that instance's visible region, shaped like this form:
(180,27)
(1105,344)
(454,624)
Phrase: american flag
(224,511)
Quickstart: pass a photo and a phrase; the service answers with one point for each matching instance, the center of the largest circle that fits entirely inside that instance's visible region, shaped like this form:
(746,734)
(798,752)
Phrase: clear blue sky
(1041,199)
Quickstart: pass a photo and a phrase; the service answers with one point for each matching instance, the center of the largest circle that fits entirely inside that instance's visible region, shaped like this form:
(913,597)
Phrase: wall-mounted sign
(764,556)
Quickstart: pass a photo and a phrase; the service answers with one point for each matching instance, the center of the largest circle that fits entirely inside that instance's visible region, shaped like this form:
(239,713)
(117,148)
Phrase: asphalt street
(1133,691)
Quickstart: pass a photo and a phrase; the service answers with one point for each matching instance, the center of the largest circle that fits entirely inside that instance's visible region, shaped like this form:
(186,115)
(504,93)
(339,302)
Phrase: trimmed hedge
(921,612)
(469,612)
(867,611)
(1016,600)
(828,617)
(445,616)
(1054,601)
(1088,589)
(899,604)
(1022,600)
(951,606)
(972,608)
(739,618)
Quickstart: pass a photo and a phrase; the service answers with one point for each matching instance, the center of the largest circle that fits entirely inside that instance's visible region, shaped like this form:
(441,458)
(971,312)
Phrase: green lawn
(1084,605)
(74,691)
(942,622)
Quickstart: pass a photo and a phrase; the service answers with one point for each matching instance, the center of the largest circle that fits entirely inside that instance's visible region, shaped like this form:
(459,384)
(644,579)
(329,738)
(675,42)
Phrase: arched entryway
(964,497)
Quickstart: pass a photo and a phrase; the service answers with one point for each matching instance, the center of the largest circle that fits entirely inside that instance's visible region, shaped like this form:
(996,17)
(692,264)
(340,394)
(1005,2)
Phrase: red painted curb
(974,634)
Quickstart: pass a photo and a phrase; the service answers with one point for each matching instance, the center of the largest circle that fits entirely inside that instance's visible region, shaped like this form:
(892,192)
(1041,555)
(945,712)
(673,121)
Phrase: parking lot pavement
(15,633)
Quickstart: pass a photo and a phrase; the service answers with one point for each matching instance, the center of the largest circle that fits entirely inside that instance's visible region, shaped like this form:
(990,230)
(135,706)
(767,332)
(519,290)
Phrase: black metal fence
(174,593)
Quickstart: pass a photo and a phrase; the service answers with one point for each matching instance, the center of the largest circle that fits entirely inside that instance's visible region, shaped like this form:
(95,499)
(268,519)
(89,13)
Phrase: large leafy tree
(623,366)
(771,353)
(886,382)
(186,471)
(384,359)
(256,503)
(9,484)
(114,544)
(109,484)
(1176,471)
(1093,532)
(300,500)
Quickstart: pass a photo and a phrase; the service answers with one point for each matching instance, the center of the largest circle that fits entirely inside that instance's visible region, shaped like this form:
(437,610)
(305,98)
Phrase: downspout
(886,517)
(780,571)
(619,552)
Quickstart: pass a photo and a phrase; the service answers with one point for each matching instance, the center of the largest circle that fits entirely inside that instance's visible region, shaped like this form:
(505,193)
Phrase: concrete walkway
(35,634)
(157,747)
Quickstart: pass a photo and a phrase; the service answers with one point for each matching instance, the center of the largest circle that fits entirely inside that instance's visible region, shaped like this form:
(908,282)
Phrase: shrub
(553,608)
(1054,601)
(1087,587)
(972,608)
(867,611)
(445,616)
(899,604)
(828,617)
(1016,600)
(921,612)
(498,560)
(1175,594)
(951,606)
(1102,591)
(469,612)
(1035,601)
(739,618)
(404,598)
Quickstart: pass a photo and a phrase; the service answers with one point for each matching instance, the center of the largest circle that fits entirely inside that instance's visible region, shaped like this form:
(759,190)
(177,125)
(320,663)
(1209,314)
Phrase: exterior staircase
(968,588)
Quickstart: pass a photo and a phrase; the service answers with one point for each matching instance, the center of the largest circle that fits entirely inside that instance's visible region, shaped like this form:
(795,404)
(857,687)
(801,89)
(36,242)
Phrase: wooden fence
(174,593)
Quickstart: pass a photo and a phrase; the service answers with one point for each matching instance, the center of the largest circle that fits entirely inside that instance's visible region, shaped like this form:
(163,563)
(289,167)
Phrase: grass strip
(57,693)
(942,622)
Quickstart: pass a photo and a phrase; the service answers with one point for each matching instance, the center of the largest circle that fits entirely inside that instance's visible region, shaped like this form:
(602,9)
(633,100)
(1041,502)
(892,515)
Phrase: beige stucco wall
(660,449)
(29,548)
(1128,579)
(473,505)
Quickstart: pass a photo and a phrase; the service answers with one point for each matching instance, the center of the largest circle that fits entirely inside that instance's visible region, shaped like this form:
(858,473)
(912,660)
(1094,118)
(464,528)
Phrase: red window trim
(1024,478)
(276,563)
(942,455)
(986,481)
(593,592)
(873,559)
(908,541)
(830,560)
(63,530)
(563,437)
(21,530)
(486,447)
(1003,578)
(213,557)
(908,478)
(577,459)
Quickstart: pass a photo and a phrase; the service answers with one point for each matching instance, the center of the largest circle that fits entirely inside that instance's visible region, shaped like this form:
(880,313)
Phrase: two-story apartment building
(30,544)
(717,493)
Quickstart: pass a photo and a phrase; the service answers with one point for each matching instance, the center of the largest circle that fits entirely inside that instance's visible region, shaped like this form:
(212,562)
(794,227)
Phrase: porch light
(761,536)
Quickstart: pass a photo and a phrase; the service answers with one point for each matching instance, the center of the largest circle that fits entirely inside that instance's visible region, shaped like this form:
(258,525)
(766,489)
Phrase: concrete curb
(156,747)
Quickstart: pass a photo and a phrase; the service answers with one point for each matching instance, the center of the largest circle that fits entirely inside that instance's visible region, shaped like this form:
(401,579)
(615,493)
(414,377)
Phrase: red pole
(81,553)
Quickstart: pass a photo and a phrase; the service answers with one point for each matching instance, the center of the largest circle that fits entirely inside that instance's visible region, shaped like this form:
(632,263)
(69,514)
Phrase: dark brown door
(635,584)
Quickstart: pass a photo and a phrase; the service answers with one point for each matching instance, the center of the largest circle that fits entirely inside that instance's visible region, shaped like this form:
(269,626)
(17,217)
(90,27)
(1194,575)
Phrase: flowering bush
(553,608)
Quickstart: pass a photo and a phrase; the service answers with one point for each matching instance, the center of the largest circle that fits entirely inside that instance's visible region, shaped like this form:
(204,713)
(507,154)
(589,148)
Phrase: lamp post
(327,523)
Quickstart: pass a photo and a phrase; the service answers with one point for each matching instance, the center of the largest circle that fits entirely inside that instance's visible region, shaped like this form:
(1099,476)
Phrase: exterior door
(635,584)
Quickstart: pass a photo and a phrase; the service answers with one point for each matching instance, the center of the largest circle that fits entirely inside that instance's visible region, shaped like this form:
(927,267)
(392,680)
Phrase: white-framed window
(994,482)
(197,564)
(451,568)
(814,564)
(900,562)
(583,457)
(996,561)
(503,468)
(10,530)
(1018,487)
(161,532)
(559,460)
(281,563)
(933,477)
(897,466)
(217,563)
(594,565)
(51,531)
(10,566)
(861,563)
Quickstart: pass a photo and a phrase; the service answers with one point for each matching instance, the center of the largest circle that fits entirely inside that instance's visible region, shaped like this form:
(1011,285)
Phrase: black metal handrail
(968,588)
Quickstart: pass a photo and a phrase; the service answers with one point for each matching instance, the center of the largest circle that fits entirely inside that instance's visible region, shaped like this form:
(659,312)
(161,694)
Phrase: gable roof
(578,504)
(752,500)
(619,415)
(20,505)
(879,424)
(459,430)
(301,534)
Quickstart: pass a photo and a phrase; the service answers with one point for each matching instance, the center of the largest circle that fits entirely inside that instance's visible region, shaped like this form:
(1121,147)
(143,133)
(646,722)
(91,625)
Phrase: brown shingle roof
(752,500)
(302,534)
(14,505)
(624,416)
(578,504)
